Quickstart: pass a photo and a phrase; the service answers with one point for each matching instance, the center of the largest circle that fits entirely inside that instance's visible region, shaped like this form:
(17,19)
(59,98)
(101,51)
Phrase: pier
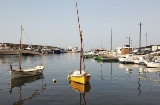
(15,52)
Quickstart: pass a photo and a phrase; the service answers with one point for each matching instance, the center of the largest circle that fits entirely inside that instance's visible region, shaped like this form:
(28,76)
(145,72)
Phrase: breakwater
(14,52)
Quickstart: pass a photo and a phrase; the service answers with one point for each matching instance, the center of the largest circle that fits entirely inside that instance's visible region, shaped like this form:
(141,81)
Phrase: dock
(16,52)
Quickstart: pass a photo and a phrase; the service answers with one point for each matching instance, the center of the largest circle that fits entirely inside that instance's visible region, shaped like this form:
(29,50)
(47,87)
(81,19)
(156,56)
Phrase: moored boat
(80,76)
(153,64)
(57,51)
(127,59)
(21,72)
(26,72)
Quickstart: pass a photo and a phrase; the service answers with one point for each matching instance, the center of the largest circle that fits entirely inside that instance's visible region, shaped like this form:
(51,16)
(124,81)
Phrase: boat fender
(54,80)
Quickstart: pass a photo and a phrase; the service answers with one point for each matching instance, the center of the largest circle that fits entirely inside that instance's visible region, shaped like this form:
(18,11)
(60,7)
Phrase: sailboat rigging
(27,71)
(80,76)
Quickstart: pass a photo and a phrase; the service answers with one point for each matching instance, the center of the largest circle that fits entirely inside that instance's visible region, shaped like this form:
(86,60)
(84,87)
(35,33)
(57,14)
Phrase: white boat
(4,47)
(127,59)
(29,48)
(80,76)
(153,64)
(46,50)
(90,54)
(136,60)
(139,60)
(25,72)
(72,49)
(38,49)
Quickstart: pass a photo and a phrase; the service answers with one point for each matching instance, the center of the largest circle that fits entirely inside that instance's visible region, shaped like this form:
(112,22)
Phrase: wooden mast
(80,32)
(111,38)
(20,52)
(81,56)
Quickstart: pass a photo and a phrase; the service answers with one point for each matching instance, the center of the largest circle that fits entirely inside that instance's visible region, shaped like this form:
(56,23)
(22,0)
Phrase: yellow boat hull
(80,79)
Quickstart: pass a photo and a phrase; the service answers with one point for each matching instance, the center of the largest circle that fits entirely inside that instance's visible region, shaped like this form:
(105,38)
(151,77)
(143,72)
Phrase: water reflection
(139,85)
(82,89)
(151,70)
(155,72)
(6,59)
(144,74)
(19,82)
(111,72)
(128,68)
(101,72)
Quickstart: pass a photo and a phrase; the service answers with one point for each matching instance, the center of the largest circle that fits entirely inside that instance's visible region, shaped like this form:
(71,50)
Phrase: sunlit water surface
(110,83)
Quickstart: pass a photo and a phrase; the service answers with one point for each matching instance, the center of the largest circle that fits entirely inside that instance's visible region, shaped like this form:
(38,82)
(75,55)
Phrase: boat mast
(20,53)
(80,32)
(81,56)
(111,38)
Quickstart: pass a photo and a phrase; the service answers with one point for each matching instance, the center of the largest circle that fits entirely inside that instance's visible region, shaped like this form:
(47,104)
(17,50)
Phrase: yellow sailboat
(80,76)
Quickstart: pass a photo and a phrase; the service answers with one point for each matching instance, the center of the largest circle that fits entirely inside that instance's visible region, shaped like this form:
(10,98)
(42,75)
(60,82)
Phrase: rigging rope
(26,35)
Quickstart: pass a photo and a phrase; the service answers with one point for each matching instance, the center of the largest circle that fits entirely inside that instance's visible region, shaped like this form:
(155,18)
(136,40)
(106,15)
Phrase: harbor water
(110,83)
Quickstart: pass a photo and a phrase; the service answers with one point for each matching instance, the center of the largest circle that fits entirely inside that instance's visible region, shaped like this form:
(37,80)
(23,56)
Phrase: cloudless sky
(54,22)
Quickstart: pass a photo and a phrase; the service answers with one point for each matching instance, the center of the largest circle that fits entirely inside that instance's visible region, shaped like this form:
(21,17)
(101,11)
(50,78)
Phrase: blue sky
(54,22)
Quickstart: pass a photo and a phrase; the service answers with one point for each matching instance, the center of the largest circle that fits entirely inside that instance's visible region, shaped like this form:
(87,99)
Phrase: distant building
(155,47)
(126,49)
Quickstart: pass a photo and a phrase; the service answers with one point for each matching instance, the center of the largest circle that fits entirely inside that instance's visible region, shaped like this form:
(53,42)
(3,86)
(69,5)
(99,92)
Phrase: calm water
(110,83)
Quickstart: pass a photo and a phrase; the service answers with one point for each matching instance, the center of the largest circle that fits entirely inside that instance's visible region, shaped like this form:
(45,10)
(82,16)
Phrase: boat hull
(82,78)
(57,51)
(27,72)
(126,61)
(153,65)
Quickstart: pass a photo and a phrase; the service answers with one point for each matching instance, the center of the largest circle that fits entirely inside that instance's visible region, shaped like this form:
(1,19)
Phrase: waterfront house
(126,49)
